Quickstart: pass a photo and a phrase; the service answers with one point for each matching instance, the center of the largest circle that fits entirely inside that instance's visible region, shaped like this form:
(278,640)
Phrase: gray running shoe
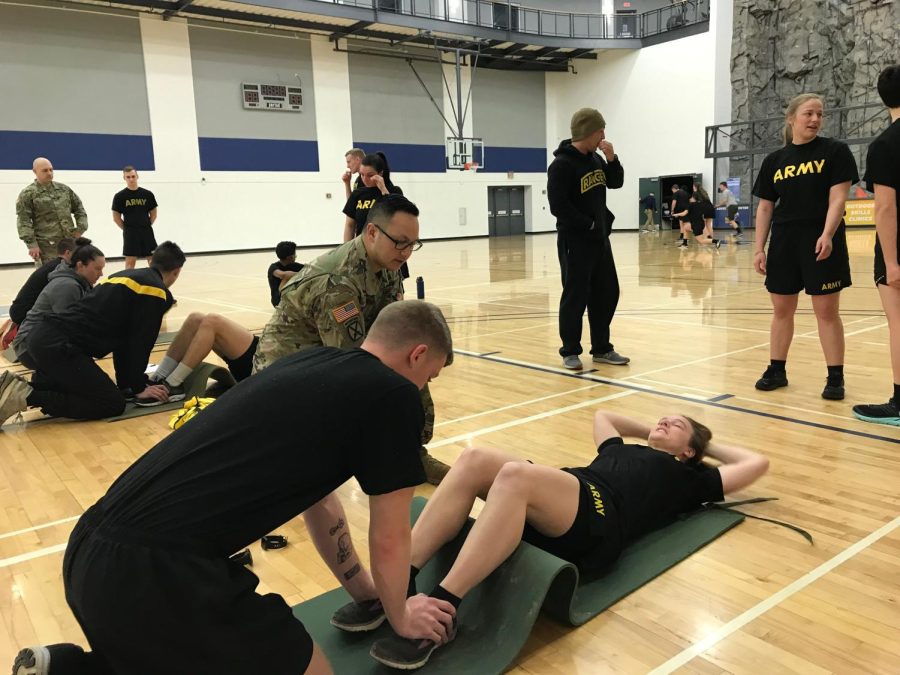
(572,362)
(405,654)
(611,357)
(14,391)
(359,617)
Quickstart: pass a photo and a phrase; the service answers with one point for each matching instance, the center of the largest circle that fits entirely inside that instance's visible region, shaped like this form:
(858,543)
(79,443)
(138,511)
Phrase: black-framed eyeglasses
(414,245)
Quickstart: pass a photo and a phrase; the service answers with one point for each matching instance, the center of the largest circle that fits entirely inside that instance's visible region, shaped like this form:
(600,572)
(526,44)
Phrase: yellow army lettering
(795,170)
(598,501)
(365,204)
(592,180)
(135,202)
(831,285)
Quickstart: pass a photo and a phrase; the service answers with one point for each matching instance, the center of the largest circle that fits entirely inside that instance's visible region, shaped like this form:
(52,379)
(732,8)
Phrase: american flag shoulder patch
(345,312)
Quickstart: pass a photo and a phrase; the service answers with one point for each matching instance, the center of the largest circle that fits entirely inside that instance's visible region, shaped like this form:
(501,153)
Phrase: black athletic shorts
(138,241)
(880,267)
(791,264)
(148,607)
(697,227)
(242,366)
(708,210)
(731,211)
(593,542)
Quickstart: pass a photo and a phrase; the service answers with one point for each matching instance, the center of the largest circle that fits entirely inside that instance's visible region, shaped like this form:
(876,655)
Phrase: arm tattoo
(345,550)
(332,530)
(352,572)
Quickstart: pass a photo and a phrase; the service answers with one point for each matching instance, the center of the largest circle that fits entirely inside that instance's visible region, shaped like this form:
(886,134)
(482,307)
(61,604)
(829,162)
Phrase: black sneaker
(359,617)
(884,413)
(36,660)
(718,243)
(176,392)
(834,389)
(405,654)
(772,379)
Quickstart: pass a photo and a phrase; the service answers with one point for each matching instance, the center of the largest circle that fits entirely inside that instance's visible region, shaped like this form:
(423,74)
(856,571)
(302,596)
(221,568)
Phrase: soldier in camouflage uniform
(44,210)
(334,299)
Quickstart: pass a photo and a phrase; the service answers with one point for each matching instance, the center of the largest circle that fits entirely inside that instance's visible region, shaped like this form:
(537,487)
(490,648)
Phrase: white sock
(179,375)
(164,369)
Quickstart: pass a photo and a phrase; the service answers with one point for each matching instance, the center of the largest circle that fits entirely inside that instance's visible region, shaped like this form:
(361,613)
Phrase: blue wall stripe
(433,158)
(258,154)
(409,157)
(499,159)
(75,151)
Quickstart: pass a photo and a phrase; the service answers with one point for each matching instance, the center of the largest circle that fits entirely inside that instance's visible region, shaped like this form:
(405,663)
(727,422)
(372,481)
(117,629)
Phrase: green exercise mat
(497,615)
(195,385)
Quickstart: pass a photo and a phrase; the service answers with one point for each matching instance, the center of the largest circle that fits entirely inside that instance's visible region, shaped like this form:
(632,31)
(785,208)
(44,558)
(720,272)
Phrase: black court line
(489,353)
(722,397)
(680,397)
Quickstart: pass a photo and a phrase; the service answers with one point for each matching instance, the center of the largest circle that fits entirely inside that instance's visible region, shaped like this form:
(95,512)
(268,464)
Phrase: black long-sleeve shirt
(576,189)
(30,291)
(121,315)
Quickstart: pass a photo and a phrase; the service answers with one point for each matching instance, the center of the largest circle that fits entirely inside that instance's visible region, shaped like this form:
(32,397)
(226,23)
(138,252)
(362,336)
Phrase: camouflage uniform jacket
(332,301)
(45,214)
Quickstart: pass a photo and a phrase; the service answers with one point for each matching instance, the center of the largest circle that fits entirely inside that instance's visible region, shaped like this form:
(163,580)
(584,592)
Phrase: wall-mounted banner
(859,212)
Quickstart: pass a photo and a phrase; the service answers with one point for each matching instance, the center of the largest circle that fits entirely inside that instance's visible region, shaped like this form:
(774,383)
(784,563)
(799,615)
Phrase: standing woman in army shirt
(809,178)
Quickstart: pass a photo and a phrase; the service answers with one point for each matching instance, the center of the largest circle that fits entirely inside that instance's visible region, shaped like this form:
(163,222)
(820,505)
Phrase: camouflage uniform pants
(428,405)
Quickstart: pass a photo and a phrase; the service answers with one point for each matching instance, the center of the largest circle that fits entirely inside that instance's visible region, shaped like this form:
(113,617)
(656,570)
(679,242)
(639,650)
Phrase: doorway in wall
(506,210)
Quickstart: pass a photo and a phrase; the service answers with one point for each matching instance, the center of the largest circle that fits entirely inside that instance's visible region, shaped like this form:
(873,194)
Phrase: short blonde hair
(413,322)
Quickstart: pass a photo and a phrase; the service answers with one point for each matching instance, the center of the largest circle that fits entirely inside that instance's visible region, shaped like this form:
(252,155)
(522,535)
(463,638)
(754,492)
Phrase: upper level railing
(514,17)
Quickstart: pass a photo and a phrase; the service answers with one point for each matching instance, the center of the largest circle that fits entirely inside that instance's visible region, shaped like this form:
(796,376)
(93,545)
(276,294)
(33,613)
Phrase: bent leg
(230,340)
(185,336)
(446,512)
(547,498)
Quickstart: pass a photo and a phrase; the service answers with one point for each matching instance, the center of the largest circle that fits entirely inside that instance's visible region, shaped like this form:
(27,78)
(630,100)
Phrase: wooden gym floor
(695,324)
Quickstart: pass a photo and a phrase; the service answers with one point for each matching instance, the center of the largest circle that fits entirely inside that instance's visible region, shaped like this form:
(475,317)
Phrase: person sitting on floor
(199,335)
(121,316)
(585,515)
(32,288)
(282,269)
(67,285)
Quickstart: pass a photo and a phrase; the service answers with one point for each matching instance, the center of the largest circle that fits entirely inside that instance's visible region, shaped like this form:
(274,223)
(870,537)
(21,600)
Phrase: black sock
(778,366)
(836,373)
(411,589)
(441,593)
(896,397)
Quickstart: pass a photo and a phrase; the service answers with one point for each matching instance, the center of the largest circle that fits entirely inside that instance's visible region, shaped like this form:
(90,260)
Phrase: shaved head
(43,170)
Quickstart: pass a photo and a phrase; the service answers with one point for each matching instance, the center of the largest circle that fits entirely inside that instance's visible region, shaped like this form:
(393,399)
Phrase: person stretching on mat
(199,335)
(585,515)
(122,316)
(147,571)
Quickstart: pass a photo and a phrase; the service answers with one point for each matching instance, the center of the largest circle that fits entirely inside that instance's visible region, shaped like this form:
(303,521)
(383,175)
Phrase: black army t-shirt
(270,448)
(275,282)
(360,201)
(648,487)
(135,206)
(799,177)
(681,201)
(883,167)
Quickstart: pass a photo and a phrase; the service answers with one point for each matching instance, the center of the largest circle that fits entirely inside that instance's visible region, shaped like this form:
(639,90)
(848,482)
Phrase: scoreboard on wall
(272,97)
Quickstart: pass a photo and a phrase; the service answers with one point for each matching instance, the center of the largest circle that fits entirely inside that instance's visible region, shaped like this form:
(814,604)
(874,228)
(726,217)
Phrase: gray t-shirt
(726,198)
